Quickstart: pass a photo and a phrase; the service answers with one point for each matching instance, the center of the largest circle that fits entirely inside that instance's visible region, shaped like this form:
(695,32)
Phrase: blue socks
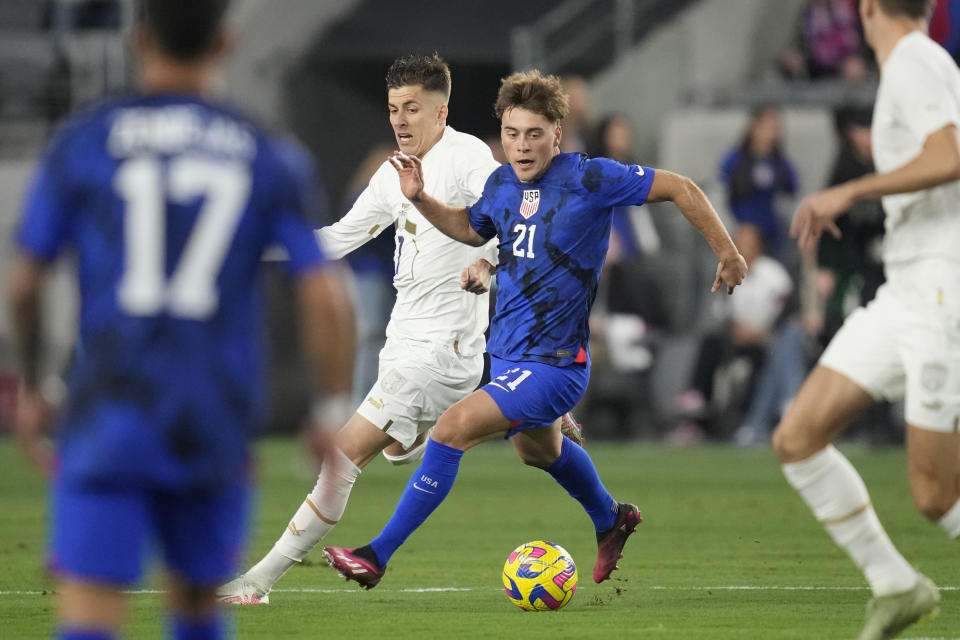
(432,481)
(211,628)
(574,471)
(85,634)
(427,488)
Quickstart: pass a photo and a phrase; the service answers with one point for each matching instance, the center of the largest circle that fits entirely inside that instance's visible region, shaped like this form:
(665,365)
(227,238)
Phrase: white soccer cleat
(889,615)
(243,591)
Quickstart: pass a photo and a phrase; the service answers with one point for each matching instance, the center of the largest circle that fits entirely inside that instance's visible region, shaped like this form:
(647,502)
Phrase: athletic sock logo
(427,482)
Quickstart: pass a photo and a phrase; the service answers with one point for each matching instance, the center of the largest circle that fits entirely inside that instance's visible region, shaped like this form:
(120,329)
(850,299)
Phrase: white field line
(300,590)
(751,587)
(733,587)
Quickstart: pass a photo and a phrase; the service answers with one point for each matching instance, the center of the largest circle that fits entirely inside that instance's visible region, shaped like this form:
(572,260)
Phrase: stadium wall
(679,63)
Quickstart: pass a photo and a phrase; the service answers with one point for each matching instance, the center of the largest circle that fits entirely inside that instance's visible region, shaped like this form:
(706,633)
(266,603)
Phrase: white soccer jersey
(431,307)
(761,297)
(919,93)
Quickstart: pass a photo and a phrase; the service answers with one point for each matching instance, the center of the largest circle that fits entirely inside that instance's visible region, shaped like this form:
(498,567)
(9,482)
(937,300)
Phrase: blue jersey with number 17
(554,234)
(168,203)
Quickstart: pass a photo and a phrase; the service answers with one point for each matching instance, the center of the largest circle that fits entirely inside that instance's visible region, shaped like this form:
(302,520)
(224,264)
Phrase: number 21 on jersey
(524,231)
(513,377)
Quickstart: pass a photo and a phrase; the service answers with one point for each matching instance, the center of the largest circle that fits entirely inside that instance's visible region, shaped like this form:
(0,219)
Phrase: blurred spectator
(778,381)
(613,139)
(577,128)
(756,172)
(945,26)
(373,270)
(631,287)
(828,43)
(629,301)
(730,358)
(851,266)
(289,377)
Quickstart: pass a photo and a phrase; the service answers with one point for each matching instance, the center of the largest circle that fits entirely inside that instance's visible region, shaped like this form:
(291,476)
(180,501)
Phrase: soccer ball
(539,576)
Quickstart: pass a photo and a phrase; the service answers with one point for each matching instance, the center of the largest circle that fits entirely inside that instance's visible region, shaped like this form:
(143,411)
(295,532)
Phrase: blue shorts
(104,533)
(533,394)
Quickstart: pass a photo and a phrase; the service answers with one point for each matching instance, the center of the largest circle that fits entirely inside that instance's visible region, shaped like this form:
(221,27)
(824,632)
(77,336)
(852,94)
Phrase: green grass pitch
(727,551)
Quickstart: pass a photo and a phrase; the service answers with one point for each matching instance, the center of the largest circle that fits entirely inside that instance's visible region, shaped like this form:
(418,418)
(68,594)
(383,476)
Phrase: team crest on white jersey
(531,201)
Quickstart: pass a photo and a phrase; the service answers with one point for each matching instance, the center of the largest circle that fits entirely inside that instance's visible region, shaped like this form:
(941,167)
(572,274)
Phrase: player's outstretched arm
(451,221)
(34,414)
(938,163)
(476,278)
(695,206)
(327,334)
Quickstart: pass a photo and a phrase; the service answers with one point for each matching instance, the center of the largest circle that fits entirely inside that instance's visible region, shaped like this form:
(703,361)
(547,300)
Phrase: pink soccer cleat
(610,543)
(352,567)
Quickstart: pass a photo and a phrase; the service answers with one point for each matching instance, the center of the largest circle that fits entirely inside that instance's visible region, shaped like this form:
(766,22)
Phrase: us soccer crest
(531,202)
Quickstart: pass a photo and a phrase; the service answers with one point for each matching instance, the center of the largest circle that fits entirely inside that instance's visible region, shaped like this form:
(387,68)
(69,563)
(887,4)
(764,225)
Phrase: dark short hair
(534,92)
(184,29)
(430,72)
(909,8)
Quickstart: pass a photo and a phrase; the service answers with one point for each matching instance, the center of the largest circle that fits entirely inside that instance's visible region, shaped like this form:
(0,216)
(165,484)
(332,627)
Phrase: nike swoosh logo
(419,488)
(640,170)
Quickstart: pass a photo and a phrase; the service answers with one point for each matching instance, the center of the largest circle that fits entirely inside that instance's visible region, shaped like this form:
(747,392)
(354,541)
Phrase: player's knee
(791,443)
(784,446)
(537,459)
(538,452)
(453,427)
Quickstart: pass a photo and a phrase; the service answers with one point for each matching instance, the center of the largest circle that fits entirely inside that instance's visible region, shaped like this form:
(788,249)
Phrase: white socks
(950,522)
(835,492)
(318,514)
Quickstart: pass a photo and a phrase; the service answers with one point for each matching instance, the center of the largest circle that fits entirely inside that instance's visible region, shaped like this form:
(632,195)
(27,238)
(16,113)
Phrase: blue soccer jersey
(554,234)
(168,203)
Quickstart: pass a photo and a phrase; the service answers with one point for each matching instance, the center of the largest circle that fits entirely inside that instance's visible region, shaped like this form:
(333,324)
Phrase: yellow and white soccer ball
(539,576)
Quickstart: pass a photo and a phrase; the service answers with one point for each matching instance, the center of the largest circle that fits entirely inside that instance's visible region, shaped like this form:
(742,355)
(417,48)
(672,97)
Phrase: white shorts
(415,385)
(905,344)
